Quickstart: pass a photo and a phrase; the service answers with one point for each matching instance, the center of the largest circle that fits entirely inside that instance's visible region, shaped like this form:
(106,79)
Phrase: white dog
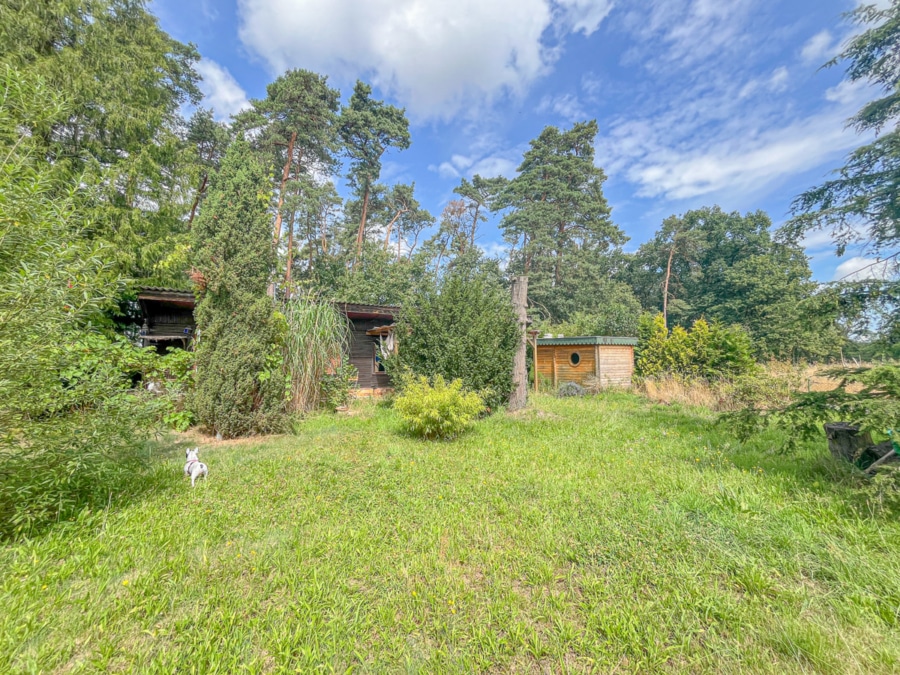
(194,467)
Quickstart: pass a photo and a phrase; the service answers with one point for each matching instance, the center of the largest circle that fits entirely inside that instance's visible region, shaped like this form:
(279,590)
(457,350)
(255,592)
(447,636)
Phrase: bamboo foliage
(318,339)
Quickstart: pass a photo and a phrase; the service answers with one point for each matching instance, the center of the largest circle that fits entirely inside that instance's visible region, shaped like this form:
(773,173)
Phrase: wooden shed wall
(362,353)
(613,365)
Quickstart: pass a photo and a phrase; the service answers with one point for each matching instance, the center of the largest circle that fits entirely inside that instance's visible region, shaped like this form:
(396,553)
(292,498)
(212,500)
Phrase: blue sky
(699,102)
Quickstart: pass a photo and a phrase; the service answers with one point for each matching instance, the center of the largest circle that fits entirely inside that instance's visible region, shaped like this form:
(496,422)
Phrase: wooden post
(519,396)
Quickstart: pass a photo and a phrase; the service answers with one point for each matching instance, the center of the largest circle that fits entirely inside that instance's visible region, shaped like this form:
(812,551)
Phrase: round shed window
(575,359)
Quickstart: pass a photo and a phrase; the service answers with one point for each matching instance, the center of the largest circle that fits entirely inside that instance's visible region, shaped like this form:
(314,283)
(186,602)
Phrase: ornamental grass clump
(438,410)
(318,337)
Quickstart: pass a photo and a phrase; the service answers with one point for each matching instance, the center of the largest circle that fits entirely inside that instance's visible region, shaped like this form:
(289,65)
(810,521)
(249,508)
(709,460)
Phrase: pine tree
(238,389)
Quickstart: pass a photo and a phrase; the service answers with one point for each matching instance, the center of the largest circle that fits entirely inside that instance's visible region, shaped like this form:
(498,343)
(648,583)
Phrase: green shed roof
(588,340)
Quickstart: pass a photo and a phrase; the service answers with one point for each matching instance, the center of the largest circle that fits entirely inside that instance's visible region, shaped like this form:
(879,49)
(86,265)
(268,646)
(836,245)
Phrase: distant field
(603,534)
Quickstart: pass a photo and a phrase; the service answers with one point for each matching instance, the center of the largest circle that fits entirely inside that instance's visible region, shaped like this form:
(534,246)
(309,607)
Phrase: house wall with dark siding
(362,353)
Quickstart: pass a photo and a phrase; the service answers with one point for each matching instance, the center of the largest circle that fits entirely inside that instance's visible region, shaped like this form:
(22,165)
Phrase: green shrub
(867,397)
(710,351)
(72,429)
(174,372)
(464,328)
(438,410)
(336,387)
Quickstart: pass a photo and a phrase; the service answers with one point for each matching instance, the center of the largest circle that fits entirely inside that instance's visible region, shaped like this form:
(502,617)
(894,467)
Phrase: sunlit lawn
(600,534)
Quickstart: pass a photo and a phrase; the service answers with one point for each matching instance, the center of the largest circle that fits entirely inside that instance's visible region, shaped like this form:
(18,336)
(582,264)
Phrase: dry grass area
(776,383)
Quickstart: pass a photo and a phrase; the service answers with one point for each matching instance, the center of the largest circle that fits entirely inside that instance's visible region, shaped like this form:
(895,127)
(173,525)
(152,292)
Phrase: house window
(575,359)
(377,360)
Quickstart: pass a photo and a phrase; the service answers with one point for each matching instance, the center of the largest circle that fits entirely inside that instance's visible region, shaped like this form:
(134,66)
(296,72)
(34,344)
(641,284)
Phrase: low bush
(79,439)
(174,372)
(437,409)
(336,388)
(567,389)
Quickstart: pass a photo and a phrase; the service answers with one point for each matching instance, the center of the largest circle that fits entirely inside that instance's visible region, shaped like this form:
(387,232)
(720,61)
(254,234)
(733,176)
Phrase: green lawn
(600,534)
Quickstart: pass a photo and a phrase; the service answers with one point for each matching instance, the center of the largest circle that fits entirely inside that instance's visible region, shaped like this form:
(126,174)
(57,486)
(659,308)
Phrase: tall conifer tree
(238,390)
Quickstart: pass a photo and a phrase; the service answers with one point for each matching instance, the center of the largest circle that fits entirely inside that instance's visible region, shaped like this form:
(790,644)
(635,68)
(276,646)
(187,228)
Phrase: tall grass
(315,347)
(770,386)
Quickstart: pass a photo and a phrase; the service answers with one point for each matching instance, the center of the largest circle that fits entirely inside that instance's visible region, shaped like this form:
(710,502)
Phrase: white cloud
(860,268)
(819,48)
(567,106)
(679,33)
(496,165)
(434,57)
(221,91)
(775,83)
(738,156)
(495,249)
(712,125)
(779,80)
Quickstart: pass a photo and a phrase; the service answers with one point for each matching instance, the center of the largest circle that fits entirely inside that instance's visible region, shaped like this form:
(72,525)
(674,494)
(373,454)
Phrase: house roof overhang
(171,296)
(357,311)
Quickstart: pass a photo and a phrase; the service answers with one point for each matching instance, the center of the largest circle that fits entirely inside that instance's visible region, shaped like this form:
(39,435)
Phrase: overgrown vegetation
(241,387)
(315,348)
(868,398)
(707,351)
(70,428)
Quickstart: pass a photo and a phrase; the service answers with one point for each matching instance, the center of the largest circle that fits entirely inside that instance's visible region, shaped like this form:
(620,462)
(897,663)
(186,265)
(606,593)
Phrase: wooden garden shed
(608,361)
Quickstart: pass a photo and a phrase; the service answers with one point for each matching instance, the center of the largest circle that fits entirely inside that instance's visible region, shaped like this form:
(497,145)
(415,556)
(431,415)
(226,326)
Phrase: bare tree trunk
(197,198)
(666,287)
(387,237)
(519,396)
(290,258)
(284,177)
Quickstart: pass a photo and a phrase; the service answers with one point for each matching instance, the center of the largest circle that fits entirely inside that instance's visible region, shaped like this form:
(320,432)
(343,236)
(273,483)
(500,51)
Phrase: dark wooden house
(168,321)
(372,339)
(168,317)
(608,361)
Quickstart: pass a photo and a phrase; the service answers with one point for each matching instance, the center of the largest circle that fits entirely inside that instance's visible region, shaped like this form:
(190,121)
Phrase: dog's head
(191,453)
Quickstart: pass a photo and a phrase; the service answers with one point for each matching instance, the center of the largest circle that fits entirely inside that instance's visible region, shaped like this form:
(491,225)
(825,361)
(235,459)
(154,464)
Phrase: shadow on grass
(63,489)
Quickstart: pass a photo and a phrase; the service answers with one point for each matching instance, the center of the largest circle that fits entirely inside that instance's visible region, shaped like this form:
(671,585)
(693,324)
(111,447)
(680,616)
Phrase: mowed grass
(604,534)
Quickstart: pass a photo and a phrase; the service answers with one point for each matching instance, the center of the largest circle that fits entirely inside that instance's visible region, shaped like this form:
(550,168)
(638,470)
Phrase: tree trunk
(361,233)
(387,237)
(290,258)
(284,177)
(666,287)
(519,396)
(197,197)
